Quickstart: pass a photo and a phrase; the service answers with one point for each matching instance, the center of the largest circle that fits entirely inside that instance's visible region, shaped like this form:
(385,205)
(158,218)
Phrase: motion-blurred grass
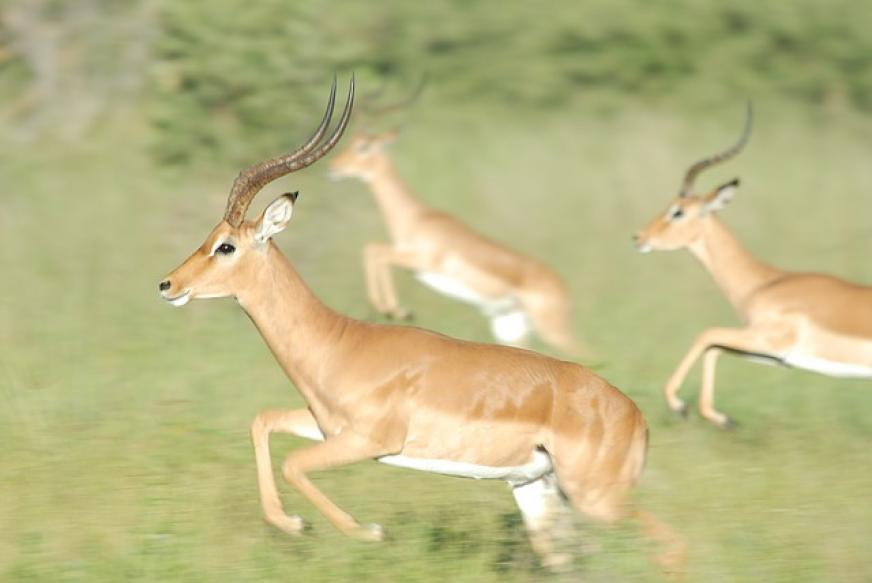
(124,424)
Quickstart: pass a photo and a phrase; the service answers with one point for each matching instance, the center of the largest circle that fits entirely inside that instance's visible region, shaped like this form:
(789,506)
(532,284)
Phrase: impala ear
(719,197)
(275,217)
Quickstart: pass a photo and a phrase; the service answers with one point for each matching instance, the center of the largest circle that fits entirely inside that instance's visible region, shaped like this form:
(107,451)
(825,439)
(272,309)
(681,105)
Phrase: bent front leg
(298,422)
(372,269)
(713,340)
(707,392)
(378,260)
(340,450)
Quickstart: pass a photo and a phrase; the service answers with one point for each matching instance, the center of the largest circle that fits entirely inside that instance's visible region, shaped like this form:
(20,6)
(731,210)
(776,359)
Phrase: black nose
(164,285)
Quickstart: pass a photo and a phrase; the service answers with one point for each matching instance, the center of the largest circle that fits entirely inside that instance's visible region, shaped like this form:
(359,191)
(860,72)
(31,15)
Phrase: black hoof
(681,411)
(729,425)
(401,314)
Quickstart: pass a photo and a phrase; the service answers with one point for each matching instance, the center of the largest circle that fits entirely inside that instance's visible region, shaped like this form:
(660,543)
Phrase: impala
(515,292)
(405,396)
(809,321)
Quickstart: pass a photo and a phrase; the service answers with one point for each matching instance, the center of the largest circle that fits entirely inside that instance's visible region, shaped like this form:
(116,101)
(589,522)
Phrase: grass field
(124,423)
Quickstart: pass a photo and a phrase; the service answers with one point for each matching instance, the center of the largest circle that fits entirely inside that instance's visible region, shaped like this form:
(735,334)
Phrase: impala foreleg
(707,392)
(378,259)
(372,268)
(298,422)
(342,449)
(713,341)
(548,306)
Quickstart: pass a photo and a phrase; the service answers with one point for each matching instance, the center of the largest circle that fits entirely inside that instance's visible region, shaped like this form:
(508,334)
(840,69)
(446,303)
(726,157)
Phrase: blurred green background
(558,127)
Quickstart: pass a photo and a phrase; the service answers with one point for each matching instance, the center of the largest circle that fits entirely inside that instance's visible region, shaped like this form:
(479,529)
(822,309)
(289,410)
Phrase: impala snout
(176,297)
(641,242)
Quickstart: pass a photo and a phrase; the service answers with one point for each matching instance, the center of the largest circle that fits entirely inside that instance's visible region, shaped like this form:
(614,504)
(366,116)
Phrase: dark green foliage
(242,78)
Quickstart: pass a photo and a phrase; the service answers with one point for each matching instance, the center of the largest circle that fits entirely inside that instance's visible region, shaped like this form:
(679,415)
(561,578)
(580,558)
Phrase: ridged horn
(698,167)
(252,179)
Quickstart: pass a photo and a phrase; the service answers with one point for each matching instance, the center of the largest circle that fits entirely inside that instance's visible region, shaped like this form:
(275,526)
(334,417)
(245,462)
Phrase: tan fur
(426,240)
(376,390)
(807,320)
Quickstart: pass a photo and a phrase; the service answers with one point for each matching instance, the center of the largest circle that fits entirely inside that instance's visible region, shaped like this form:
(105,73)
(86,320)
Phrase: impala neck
(396,202)
(301,331)
(738,273)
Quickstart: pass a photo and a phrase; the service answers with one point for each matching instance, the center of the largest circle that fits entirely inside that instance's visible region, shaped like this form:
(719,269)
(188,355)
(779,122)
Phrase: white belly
(451,287)
(828,367)
(511,327)
(533,470)
(537,467)
(509,323)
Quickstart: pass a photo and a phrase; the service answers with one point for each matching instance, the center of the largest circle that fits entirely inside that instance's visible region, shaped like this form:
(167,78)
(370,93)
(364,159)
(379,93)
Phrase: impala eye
(225,249)
(677,213)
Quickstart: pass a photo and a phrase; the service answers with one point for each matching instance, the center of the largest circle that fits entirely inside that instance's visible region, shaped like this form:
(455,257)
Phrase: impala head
(225,261)
(682,222)
(364,156)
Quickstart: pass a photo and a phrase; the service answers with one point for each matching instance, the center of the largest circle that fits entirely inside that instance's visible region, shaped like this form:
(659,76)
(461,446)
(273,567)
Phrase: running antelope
(809,321)
(516,293)
(405,396)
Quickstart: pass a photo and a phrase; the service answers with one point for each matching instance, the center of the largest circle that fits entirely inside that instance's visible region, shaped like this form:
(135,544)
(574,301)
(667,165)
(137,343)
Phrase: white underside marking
(510,327)
(828,367)
(536,501)
(314,434)
(762,359)
(533,470)
(509,324)
(450,287)
(537,467)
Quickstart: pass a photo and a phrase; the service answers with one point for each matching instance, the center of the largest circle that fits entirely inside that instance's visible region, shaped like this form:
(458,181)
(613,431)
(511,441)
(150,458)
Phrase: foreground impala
(408,397)
(516,293)
(803,320)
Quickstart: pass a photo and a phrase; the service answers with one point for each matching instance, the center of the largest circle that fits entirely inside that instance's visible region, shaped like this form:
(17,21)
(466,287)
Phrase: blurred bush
(232,78)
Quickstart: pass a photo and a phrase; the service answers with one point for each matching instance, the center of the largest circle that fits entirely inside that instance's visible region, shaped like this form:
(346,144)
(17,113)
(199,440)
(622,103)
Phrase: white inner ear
(275,219)
(720,199)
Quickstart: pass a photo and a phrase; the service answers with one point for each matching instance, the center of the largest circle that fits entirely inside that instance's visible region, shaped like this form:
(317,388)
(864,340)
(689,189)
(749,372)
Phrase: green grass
(124,423)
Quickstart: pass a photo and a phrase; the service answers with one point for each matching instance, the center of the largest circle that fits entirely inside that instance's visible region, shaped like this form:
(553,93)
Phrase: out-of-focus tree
(238,77)
(64,64)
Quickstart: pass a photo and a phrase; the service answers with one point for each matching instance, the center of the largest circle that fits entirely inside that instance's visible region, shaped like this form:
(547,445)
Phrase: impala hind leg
(551,318)
(596,475)
(298,422)
(607,504)
(542,505)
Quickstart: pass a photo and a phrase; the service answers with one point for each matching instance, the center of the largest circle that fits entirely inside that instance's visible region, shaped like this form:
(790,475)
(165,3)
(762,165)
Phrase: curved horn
(698,167)
(249,182)
(372,114)
(368,99)
(404,103)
